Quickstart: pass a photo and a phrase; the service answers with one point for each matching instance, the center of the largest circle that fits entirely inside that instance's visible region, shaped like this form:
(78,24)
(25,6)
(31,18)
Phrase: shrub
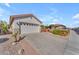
(60,32)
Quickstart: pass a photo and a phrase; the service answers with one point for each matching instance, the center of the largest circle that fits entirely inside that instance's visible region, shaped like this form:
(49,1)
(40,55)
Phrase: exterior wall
(14,26)
(25,29)
(60,27)
(29,20)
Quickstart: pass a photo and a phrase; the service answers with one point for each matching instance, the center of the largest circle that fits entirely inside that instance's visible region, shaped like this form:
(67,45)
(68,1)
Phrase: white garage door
(29,28)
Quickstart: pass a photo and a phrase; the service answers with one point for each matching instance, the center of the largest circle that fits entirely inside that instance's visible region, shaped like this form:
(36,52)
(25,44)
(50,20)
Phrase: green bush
(60,32)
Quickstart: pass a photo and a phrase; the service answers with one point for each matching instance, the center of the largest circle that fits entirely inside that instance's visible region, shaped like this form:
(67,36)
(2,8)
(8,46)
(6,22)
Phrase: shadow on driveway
(2,40)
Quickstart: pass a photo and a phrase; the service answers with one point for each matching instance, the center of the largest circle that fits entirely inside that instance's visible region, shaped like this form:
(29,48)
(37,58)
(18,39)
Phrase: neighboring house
(1,28)
(1,32)
(26,23)
(57,26)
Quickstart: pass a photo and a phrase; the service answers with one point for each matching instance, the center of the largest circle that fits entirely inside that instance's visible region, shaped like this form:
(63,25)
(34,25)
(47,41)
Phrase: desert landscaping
(51,40)
(54,39)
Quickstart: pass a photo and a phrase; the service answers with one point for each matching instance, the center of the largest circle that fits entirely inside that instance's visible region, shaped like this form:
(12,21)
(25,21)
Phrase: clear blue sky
(67,14)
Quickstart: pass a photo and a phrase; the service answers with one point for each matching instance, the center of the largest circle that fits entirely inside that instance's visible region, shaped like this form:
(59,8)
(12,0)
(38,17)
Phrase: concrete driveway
(47,43)
(36,43)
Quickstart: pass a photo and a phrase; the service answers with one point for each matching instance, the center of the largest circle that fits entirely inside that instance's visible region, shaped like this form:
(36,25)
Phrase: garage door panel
(29,29)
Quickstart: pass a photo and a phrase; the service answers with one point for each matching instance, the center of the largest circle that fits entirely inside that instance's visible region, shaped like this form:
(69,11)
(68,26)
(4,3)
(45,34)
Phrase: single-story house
(26,23)
(57,26)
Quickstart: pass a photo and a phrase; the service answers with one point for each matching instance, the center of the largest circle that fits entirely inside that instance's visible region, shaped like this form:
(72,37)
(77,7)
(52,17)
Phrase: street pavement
(72,46)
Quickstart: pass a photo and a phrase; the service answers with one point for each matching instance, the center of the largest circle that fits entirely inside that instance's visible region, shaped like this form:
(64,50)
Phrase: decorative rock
(14,43)
(21,51)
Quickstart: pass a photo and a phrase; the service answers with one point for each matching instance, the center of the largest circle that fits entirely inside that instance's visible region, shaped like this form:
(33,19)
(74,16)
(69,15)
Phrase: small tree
(4,26)
(16,34)
(42,27)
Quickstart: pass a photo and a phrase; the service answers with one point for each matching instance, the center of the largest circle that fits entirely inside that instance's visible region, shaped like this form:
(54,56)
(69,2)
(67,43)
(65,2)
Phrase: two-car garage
(28,23)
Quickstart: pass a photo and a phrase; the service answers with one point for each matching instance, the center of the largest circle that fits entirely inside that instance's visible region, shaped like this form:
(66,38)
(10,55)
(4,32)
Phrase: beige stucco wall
(60,27)
(24,28)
